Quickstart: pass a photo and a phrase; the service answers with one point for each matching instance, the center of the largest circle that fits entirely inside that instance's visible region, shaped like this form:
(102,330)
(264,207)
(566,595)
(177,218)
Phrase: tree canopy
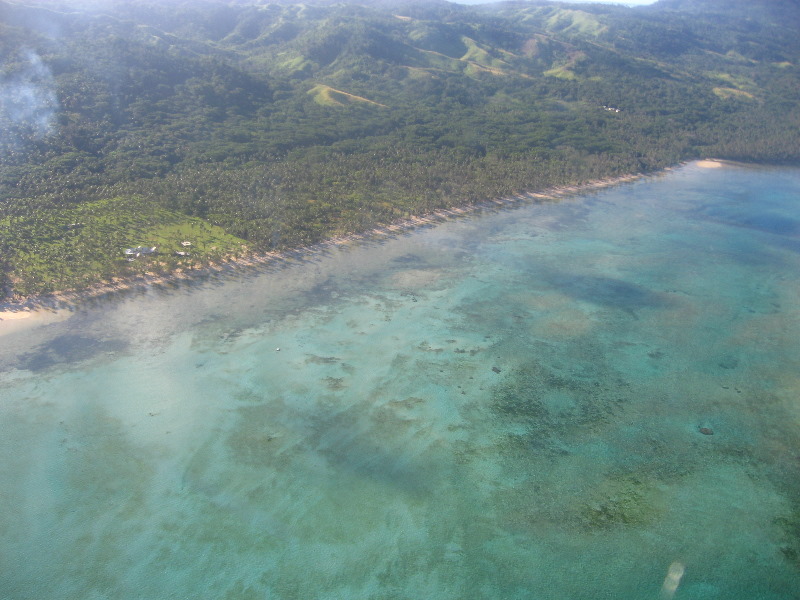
(250,126)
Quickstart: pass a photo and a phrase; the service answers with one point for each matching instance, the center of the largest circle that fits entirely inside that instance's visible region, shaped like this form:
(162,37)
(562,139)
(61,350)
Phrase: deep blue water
(595,398)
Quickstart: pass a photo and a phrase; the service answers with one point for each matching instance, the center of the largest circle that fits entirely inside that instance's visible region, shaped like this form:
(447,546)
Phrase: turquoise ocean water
(595,398)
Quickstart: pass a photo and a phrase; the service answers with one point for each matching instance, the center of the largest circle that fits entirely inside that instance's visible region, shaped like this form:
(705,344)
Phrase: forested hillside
(250,125)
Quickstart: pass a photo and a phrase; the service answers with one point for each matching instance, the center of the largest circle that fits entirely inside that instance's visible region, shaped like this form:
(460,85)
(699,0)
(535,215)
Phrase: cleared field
(71,247)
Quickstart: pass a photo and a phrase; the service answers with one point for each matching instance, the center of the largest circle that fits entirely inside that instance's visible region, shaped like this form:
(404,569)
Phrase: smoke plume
(28,101)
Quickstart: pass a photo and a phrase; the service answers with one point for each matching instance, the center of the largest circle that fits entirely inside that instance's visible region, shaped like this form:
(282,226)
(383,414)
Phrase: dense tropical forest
(212,128)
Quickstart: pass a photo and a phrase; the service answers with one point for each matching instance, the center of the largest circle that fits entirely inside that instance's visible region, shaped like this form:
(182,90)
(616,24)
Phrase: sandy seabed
(15,320)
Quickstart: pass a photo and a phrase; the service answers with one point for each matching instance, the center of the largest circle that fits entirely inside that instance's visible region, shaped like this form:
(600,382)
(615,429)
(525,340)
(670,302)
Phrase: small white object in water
(672,580)
(277,349)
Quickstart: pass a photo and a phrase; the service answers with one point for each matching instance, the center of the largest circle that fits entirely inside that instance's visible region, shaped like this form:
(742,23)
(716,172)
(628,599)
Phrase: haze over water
(596,398)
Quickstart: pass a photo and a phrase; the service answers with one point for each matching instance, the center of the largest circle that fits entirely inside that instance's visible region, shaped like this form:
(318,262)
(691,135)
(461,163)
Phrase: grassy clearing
(328,96)
(570,21)
(738,82)
(477,54)
(72,247)
(561,73)
(727,93)
(294,64)
(437,60)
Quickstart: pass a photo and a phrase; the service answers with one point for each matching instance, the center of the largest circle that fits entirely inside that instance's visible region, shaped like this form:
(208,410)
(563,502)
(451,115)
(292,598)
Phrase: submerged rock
(706,431)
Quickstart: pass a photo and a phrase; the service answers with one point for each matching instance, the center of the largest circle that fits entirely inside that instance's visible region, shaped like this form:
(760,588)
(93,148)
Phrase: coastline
(40,310)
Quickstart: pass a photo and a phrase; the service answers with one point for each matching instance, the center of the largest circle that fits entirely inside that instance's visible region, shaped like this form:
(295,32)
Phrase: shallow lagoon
(505,406)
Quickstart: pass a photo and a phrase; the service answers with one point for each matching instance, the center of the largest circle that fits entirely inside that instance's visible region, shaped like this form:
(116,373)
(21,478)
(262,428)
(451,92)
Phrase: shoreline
(57,306)
(710,163)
